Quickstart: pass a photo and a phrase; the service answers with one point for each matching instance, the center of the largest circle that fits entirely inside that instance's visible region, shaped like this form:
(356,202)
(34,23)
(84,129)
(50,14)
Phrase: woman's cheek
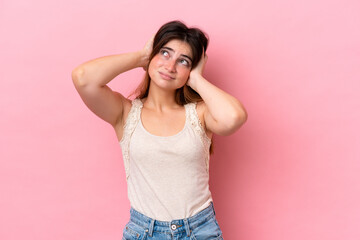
(152,67)
(186,73)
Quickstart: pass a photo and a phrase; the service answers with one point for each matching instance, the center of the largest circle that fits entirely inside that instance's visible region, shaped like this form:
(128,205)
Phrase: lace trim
(129,128)
(199,129)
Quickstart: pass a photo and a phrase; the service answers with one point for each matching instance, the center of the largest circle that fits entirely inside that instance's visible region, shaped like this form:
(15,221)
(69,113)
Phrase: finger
(152,38)
(150,42)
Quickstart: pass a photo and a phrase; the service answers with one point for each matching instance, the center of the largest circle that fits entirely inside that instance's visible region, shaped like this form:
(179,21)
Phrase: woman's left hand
(197,72)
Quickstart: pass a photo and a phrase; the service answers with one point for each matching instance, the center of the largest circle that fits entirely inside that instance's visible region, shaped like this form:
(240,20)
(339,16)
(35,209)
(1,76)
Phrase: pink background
(291,172)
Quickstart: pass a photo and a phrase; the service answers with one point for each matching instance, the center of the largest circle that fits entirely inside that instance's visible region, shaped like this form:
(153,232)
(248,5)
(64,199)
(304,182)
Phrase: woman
(165,132)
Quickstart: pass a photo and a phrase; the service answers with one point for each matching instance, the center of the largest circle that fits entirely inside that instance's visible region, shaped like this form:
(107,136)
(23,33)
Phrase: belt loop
(187,227)
(151,227)
(213,208)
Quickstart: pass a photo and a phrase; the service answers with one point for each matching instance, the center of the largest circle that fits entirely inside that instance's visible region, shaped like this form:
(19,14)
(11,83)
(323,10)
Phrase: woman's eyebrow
(172,50)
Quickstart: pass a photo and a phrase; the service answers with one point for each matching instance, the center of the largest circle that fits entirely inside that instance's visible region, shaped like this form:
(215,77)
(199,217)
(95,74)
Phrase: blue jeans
(201,226)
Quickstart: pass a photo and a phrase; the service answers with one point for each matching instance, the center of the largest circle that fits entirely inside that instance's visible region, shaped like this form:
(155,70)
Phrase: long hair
(198,42)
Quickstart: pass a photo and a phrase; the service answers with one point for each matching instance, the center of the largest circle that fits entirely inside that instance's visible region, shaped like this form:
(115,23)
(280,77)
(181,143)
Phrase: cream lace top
(167,177)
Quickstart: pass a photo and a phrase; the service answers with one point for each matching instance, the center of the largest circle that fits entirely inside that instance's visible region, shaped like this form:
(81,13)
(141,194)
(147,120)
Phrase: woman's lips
(166,76)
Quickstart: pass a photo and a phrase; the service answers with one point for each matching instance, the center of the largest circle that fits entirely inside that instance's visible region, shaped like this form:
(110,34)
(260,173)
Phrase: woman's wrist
(143,58)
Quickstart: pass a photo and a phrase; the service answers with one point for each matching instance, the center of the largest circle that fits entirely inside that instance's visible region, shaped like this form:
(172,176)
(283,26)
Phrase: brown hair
(198,42)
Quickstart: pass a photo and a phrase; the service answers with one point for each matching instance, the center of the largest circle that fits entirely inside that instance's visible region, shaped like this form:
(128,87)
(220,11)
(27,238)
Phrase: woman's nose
(171,65)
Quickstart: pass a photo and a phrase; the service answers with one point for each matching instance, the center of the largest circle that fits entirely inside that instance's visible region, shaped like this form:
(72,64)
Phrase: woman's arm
(223,113)
(90,79)
(100,71)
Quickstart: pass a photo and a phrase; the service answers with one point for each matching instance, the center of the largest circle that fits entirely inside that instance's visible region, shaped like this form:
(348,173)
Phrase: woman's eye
(164,53)
(184,62)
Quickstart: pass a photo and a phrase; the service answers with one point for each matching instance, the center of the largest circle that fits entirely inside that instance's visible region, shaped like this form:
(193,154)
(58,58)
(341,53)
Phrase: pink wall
(291,172)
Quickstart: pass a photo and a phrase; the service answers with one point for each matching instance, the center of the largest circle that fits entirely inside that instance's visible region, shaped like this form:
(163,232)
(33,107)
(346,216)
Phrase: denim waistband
(174,226)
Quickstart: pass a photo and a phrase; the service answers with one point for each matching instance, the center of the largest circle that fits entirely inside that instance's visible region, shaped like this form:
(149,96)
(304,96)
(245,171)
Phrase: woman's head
(170,68)
(176,50)
(169,33)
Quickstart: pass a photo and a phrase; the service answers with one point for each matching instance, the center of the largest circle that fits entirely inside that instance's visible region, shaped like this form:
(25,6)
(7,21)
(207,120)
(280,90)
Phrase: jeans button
(173,227)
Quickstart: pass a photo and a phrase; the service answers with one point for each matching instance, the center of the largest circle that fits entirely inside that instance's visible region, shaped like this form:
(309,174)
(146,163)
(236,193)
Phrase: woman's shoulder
(200,108)
(119,127)
(128,104)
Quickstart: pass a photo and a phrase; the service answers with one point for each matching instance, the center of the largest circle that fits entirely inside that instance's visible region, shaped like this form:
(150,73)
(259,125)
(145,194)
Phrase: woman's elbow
(240,119)
(77,77)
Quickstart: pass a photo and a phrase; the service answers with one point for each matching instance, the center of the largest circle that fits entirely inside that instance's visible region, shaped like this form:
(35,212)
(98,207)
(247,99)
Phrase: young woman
(165,131)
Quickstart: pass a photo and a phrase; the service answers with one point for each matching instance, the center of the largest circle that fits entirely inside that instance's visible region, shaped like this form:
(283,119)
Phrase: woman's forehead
(179,46)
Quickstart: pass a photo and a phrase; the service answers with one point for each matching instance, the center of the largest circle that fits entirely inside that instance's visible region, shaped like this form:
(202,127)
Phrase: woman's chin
(168,85)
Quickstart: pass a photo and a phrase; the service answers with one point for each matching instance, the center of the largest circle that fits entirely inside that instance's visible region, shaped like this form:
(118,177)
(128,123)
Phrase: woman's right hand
(146,51)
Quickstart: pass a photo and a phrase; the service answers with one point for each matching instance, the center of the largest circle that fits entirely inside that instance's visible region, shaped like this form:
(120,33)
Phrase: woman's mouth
(166,76)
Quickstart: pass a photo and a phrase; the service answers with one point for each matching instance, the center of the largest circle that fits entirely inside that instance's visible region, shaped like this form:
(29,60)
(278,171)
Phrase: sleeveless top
(167,177)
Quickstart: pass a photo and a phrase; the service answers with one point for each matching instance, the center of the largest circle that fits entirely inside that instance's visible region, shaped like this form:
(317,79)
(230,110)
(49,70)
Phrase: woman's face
(171,66)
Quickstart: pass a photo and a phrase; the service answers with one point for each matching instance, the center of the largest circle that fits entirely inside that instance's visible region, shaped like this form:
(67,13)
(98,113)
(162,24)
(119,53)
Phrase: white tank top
(167,177)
